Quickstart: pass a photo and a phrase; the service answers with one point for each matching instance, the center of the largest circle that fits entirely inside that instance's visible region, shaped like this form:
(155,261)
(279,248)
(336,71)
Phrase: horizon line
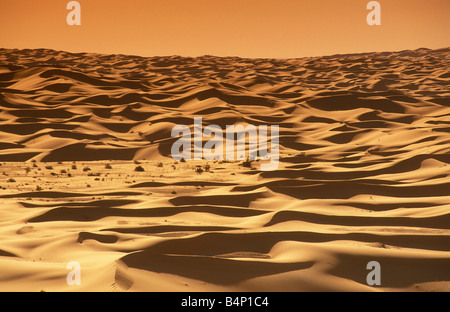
(233,56)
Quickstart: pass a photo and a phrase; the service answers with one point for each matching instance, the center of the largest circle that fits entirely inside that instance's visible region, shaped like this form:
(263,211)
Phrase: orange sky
(246,28)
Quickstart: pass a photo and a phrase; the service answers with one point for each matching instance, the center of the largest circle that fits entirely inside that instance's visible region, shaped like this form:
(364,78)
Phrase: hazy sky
(246,28)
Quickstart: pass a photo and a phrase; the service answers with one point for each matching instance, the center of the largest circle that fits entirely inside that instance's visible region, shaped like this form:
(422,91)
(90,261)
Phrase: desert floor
(364,173)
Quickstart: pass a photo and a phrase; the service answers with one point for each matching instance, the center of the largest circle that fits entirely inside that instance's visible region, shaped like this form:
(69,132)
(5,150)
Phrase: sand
(364,173)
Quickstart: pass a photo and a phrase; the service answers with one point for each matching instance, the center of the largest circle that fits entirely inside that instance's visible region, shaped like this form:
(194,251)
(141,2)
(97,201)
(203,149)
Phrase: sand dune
(364,173)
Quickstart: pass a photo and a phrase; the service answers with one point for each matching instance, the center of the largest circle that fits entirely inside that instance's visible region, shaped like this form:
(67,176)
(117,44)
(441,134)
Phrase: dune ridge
(364,173)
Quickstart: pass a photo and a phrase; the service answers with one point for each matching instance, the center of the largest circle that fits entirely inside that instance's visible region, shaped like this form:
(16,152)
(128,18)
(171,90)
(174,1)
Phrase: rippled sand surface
(364,173)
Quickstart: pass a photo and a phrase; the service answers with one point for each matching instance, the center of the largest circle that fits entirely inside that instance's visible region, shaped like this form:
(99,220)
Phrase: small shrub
(199,170)
(247,163)
(139,169)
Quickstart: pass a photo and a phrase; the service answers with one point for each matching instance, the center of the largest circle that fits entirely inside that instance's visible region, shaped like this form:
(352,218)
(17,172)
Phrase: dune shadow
(209,269)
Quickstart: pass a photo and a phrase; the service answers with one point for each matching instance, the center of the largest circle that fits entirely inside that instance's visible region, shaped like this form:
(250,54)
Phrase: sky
(245,28)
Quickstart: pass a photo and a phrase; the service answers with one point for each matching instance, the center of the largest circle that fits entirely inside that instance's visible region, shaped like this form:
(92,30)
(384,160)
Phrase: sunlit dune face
(89,182)
(250,28)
